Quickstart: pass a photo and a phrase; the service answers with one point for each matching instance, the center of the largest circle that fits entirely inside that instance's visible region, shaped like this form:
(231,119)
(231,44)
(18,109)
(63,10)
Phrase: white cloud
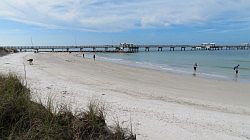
(119,15)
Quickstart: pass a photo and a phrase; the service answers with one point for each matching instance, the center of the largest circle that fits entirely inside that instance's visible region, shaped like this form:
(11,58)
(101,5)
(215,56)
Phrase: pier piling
(183,48)
(172,48)
(159,48)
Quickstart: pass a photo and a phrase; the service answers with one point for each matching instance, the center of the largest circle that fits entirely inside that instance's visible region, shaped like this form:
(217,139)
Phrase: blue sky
(88,22)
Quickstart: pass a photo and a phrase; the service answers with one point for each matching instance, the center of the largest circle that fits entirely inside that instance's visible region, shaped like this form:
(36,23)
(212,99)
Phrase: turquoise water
(211,64)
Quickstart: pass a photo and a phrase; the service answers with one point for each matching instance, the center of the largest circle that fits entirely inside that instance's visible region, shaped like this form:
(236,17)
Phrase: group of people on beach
(236,68)
(84,56)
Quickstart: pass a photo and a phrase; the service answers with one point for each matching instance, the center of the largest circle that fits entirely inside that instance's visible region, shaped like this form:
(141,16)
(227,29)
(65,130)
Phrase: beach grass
(5,51)
(22,118)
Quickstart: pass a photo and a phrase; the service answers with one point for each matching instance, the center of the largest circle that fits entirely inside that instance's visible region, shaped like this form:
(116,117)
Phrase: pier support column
(94,49)
(129,49)
(137,49)
(183,48)
(67,49)
(147,49)
(160,49)
(53,49)
(171,48)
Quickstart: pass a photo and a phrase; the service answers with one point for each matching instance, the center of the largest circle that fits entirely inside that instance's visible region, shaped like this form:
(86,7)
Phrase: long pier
(127,48)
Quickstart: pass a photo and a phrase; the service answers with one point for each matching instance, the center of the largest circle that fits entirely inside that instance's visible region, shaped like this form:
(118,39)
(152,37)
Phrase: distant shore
(161,105)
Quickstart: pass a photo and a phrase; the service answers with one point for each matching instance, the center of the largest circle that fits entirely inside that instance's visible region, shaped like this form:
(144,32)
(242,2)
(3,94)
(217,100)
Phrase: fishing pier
(129,48)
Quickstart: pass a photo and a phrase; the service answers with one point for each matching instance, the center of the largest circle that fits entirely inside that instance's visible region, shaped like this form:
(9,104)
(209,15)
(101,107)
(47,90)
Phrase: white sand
(159,105)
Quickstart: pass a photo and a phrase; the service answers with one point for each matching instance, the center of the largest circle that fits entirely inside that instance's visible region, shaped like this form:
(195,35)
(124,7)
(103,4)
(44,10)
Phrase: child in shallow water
(195,67)
(236,68)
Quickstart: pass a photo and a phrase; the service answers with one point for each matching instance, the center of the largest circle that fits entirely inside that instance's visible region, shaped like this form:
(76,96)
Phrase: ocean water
(211,64)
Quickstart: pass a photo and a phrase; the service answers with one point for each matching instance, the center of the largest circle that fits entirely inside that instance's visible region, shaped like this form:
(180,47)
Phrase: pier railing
(130,49)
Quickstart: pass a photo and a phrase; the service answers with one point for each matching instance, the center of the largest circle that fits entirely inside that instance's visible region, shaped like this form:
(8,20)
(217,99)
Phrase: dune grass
(21,118)
(5,51)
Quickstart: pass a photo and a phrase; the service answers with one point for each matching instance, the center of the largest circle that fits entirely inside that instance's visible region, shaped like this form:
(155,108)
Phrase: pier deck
(126,49)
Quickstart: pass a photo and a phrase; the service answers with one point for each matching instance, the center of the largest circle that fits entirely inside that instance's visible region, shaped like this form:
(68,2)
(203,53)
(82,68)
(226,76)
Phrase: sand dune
(160,105)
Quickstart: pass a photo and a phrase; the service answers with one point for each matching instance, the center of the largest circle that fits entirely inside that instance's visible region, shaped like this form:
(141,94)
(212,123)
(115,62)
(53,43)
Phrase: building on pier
(208,45)
(127,46)
(246,44)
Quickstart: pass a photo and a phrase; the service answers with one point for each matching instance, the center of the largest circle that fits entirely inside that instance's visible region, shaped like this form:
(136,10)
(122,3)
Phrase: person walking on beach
(83,55)
(195,67)
(236,68)
(94,56)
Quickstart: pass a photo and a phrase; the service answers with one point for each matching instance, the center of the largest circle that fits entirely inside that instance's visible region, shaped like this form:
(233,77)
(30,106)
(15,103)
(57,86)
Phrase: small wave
(231,68)
(243,61)
(209,75)
(224,67)
(247,69)
(111,59)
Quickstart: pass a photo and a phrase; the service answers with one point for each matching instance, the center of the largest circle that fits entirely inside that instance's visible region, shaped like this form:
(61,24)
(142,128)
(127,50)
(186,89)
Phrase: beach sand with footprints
(159,105)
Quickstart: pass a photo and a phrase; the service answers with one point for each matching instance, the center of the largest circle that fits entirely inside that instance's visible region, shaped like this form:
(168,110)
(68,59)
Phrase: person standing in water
(236,68)
(94,56)
(195,67)
(83,55)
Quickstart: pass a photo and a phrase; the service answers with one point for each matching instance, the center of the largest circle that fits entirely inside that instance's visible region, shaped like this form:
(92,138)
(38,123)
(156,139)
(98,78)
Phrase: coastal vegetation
(22,118)
(5,51)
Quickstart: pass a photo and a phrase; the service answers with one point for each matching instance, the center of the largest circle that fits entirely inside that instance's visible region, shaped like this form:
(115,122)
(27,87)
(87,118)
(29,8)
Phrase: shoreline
(175,72)
(206,70)
(161,105)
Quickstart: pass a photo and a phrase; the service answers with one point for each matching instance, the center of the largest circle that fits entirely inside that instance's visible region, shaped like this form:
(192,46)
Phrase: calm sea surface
(211,64)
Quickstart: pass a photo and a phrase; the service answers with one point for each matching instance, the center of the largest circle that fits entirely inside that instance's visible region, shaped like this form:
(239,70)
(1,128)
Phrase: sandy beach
(159,105)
